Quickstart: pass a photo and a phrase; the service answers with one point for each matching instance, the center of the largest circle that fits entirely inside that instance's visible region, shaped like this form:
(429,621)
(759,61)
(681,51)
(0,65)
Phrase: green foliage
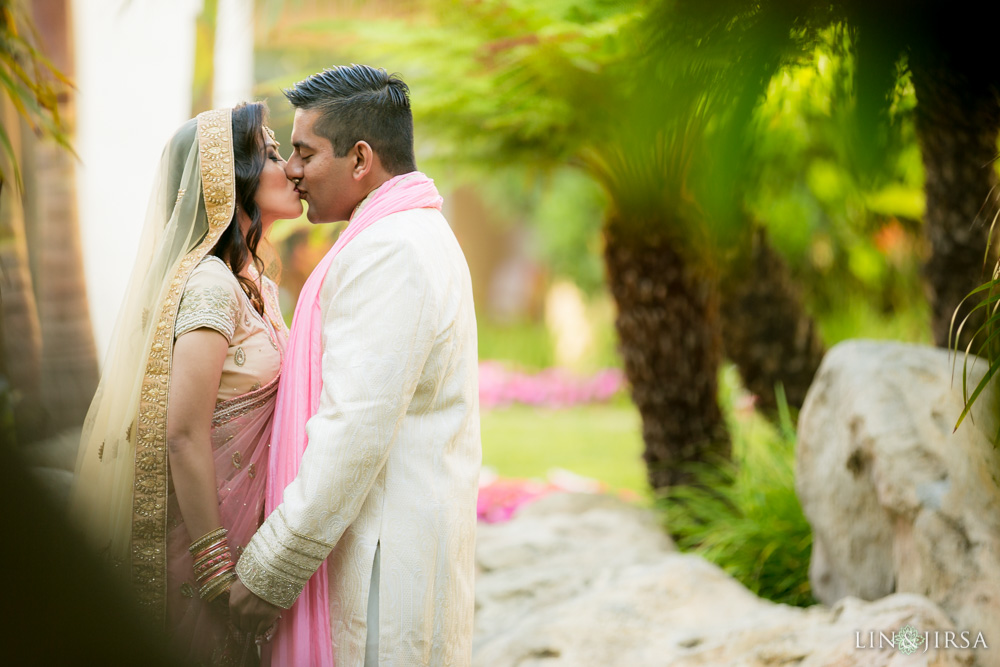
(850,232)
(744,515)
(503,96)
(511,92)
(546,85)
(711,122)
(855,317)
(496,81)
(534,77)
(806,128)
(985,343)
(29,80)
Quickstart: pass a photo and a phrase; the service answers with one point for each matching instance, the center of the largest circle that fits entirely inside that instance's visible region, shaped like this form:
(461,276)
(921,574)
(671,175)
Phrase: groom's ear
(364,159)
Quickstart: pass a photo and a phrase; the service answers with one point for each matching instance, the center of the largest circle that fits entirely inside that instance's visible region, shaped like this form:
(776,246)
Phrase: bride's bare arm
(197,370)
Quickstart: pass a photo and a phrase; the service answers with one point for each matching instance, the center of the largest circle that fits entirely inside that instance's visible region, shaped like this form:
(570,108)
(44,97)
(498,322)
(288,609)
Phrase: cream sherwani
(394,453)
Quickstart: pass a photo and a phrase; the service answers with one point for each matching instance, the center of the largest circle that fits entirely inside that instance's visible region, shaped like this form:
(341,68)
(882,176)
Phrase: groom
(376,428)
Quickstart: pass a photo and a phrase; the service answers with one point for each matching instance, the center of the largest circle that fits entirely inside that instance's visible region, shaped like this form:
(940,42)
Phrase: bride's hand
(250,613)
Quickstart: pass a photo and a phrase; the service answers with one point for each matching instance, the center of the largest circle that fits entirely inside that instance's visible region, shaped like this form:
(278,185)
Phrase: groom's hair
(361,103)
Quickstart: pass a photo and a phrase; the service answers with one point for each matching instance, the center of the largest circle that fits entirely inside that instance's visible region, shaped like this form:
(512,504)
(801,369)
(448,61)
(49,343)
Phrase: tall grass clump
(743,515)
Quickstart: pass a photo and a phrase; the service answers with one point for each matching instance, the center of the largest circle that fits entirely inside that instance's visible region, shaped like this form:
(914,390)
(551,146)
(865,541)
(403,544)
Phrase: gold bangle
(216,573)
(211,552)
(207,539)
(217,586)
(201,568)
(205,576)
(211,589)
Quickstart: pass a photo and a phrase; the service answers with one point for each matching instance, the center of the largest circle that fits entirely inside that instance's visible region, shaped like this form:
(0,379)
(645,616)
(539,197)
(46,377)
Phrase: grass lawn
(602,441)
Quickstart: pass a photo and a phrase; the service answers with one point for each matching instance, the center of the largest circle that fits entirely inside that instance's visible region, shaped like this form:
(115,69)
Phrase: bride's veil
(120,491)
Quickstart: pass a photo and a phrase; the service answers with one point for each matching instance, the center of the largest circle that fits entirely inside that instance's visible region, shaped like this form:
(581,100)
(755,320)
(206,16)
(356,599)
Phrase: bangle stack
(214,569)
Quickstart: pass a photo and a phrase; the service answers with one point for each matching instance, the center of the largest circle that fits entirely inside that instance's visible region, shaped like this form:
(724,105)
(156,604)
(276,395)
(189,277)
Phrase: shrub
(744,515)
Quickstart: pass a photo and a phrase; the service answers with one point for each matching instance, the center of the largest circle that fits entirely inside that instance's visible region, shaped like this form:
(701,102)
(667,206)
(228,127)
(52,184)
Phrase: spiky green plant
(744,515)
(983,345)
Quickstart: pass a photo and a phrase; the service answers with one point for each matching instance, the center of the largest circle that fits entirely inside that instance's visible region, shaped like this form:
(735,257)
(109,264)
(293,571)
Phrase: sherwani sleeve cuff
(278,562)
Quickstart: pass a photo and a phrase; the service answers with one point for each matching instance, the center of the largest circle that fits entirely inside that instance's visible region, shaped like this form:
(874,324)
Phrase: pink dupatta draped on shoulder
(303,636)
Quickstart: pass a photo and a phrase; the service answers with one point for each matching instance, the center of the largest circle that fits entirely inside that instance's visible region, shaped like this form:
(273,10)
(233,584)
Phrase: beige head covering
(120,491)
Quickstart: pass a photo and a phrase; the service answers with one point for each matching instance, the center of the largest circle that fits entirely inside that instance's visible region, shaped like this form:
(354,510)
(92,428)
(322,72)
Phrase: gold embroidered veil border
(120,491)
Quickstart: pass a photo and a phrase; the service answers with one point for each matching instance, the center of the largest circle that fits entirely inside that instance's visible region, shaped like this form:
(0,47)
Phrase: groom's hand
(250,613)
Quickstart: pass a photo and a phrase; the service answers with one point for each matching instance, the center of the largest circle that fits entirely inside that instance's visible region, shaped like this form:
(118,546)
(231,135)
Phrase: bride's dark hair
(249,158)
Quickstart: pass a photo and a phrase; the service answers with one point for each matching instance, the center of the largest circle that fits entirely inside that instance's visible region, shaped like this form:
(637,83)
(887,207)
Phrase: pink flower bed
(500,498)
(552,388)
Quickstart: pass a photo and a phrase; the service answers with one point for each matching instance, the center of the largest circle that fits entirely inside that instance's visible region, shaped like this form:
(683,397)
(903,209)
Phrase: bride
(173,458)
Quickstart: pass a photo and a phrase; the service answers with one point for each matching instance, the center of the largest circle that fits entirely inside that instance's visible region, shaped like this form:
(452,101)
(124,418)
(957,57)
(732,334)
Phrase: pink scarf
(303,636)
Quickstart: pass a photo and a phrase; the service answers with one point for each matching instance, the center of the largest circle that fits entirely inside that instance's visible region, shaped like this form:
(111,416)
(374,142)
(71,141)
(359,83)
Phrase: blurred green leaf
(28,79)
(898,199)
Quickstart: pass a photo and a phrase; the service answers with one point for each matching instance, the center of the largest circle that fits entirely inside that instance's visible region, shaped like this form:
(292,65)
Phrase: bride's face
(276,196)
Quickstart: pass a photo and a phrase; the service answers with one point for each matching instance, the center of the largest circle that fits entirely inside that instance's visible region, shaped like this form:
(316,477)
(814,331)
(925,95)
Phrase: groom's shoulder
(414,228)
(409,241)
(413,219)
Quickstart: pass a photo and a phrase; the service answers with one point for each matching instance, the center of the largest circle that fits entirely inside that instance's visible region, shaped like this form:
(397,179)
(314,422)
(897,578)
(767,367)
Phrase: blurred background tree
(516,83)
(511,84)
(48,348)
(944,54)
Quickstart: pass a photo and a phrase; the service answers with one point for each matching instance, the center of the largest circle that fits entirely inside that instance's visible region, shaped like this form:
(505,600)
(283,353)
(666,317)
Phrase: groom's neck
(373,180)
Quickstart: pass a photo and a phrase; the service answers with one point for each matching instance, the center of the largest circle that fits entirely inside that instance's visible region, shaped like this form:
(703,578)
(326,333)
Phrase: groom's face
(325,182)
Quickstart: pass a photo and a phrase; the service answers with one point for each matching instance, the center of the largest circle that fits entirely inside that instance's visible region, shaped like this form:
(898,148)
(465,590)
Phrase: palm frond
(28,79)
(986,340)
(8,149)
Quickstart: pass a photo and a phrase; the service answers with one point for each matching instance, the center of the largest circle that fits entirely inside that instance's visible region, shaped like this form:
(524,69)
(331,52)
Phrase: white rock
(897,501)
(588,581)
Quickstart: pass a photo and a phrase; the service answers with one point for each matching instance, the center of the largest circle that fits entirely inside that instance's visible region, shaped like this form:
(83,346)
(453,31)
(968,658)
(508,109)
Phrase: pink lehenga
(201,630)
(122,495)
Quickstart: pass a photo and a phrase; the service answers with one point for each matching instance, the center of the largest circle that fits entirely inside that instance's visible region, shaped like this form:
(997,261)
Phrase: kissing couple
(302,497)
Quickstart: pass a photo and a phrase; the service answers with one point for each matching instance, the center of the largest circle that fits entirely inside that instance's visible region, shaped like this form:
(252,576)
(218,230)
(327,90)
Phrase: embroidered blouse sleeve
(211,300)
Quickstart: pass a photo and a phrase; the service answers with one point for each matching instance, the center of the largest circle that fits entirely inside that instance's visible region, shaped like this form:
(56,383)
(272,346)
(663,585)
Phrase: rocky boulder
(899,502)
(589,581)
